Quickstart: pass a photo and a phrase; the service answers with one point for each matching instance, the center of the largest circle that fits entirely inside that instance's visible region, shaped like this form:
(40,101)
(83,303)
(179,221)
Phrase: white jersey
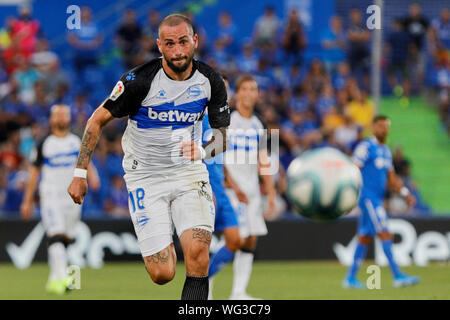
(57,158)
(162,113)
(241,159)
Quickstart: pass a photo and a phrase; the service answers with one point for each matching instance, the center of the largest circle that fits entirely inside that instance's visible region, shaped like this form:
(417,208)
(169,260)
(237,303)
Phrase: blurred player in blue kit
(374,159)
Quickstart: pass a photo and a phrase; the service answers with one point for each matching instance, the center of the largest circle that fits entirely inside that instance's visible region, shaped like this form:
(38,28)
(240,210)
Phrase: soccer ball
(323,184)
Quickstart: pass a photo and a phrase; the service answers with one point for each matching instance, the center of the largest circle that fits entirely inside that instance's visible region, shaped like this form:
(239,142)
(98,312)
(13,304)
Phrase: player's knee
(199,254)
(161,275)
(233,243)
(365,239)
(249,243)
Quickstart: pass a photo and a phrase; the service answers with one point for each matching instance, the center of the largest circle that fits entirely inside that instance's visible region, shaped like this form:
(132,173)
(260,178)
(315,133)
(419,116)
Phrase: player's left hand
(190,150)
(411,200)
(271,209)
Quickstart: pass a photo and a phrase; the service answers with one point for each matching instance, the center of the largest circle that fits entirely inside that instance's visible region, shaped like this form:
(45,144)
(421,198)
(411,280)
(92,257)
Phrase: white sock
(242,269)
(57,260)
(211,285)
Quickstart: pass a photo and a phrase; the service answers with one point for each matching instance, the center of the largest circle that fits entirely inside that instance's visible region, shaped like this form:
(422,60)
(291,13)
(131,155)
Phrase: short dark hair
(379,117)
(176,19)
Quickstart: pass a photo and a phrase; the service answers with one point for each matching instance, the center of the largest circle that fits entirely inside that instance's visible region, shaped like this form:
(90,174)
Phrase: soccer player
(168,185)
(374,159)
(226,221)
(245,160)
(55,158)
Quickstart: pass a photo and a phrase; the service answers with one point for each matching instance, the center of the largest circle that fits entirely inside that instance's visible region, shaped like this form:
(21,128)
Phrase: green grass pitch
(270,280)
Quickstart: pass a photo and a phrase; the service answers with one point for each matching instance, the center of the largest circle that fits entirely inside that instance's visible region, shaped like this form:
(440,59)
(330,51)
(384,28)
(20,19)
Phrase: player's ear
(195,38)
(158,43)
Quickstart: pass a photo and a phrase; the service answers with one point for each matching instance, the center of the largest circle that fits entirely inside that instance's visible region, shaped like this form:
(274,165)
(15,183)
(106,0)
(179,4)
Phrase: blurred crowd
(313,102)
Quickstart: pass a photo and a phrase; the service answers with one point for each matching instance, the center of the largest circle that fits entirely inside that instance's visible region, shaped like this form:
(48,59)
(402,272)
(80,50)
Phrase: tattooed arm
(213,147)
(78,188)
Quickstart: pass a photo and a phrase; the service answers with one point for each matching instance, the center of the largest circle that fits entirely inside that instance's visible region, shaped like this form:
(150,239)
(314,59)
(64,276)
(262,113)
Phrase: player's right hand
(242,197)
(26,208)
(411,200)
(78,189)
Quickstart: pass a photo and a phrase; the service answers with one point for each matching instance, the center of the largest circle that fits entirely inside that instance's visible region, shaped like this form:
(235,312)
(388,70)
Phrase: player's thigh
(226,216)
(72,216)
(192,207)
(52,215)
(373,218)
(240,210)
(256,223)
(150,214)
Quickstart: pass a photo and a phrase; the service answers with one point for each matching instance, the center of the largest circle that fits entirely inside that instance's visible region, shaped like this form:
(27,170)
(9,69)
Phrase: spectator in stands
(25,77)
(226,33)
(153,19)
(294,40)
(417,25)
(128,36)
(361,109)
(80,110)
(346,134)
(358,46)
(25,32)
(202,47)
(265,31)
(326,101)
(247,61)
(316,79)
(47,64)
(292,77)
(146,51)
(85,43)
(440,35)
(341,77)
(333,42)
(40,108)
(441,26)
(13,109)
(398,43)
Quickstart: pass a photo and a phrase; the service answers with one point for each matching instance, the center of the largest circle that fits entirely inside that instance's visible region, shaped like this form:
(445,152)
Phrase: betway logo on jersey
(173,115)
(170,115)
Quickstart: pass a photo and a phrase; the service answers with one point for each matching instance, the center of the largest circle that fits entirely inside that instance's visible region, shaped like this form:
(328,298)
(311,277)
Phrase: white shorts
(158,205)
(250,216)
(60,215)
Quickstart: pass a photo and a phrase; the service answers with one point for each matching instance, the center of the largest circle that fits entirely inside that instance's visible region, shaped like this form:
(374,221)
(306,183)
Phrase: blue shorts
(373,218)
(226,217)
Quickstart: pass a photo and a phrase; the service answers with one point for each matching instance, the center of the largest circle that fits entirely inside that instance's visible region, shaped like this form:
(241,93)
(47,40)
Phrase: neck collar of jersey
(194,68)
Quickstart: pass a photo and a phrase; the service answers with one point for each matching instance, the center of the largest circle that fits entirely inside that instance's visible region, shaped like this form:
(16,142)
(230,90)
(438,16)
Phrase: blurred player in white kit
(246,160)
(55,158)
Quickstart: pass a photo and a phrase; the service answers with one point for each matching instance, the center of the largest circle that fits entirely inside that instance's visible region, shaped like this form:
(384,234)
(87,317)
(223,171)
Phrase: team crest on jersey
(194,91)
(117,91)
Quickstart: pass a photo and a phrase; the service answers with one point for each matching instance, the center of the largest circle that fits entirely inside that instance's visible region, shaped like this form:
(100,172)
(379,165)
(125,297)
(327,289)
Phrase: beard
(180,68)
